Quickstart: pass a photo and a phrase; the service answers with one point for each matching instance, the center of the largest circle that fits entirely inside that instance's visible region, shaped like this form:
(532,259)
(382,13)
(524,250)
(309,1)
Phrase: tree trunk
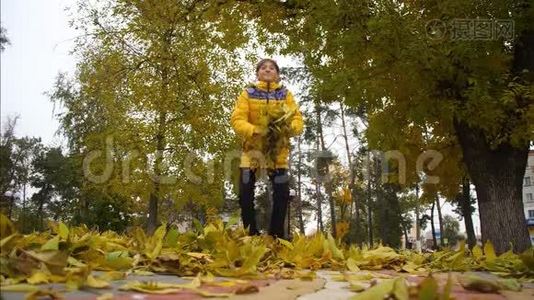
(23,215)
(369,206)
(40,210)
(434,240)
(153,210)
(417,226)
(467,211)
(440,220)
(299,188)
(370,217)
(405,231)
(354,206)
(11,204)
(325,167)
(497,171)
(155,194)
(161,122)
(498,177)
(387,214)
(318,195)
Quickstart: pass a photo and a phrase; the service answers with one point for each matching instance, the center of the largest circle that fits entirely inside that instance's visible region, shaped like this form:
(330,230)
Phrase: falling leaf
(478,283)
(150,288)
(247,289)
(52,244)
(6,226)
(400,289)
(447,289)
(286,243)
(118,260)
(208,294)
(155,243)
(428,289)
(379,291)
(489,251)
(477,252)
(39,294)
(527,258)
(511,284)
(351,265)
(74,262)
(143,273)
(7,243)
(307,275)
(153,290)
(63,231)
(19,288)
(96,283)
(50,257)
(199,255)
(333,247)
(113,275)
(171,238)
(356,287)
(38,278)
(105,296)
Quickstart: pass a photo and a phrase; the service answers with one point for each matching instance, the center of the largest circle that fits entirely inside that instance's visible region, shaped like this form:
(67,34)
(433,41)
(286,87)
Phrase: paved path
(324,287)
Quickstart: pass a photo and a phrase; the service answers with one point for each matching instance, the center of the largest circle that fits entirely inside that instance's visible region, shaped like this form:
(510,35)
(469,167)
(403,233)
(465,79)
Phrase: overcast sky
(40,42)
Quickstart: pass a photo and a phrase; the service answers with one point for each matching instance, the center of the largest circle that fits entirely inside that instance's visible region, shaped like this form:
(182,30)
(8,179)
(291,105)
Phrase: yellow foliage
(220,250)
(344,196)
(342,228)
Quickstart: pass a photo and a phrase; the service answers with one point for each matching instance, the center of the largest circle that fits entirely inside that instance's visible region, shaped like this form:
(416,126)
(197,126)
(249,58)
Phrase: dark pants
(280,183)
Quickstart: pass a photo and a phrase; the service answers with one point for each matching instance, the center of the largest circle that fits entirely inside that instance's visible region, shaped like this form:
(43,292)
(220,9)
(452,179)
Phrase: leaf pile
(69,255)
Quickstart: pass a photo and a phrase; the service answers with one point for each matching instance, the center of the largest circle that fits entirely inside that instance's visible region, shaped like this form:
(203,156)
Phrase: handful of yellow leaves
(275,121)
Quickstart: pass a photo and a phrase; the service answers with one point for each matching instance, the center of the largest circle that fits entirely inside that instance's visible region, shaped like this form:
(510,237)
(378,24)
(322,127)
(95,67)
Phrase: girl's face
(267,72)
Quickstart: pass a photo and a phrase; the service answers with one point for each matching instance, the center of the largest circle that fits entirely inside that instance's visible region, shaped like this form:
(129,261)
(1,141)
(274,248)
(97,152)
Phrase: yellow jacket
(253,101)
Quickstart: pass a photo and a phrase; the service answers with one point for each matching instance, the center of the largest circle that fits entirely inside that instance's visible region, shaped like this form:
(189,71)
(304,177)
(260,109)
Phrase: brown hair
(261,62)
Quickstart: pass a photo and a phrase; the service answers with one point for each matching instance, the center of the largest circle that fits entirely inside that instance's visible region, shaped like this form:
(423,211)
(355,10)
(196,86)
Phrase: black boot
(280,183)
(247,180)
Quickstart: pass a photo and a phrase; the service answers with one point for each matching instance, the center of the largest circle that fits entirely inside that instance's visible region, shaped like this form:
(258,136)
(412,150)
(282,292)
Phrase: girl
(252,104)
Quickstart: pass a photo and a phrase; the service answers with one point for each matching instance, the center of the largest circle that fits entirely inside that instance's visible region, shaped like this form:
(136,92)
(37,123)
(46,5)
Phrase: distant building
(528,194)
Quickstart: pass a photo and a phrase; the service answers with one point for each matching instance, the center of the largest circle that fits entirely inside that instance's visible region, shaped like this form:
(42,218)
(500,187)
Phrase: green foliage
(424,88)
(382,55)
(388,216)
(451,230)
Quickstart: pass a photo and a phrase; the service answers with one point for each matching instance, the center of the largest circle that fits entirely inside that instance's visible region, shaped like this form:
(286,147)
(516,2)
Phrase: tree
(408,203)
(153,88)
(4,40)
(388,215)
(451,230)
(17,155)
(57,179)
(384,54)
(317,116)
(299,167)
(465,208)
(6,153)
(24,152)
